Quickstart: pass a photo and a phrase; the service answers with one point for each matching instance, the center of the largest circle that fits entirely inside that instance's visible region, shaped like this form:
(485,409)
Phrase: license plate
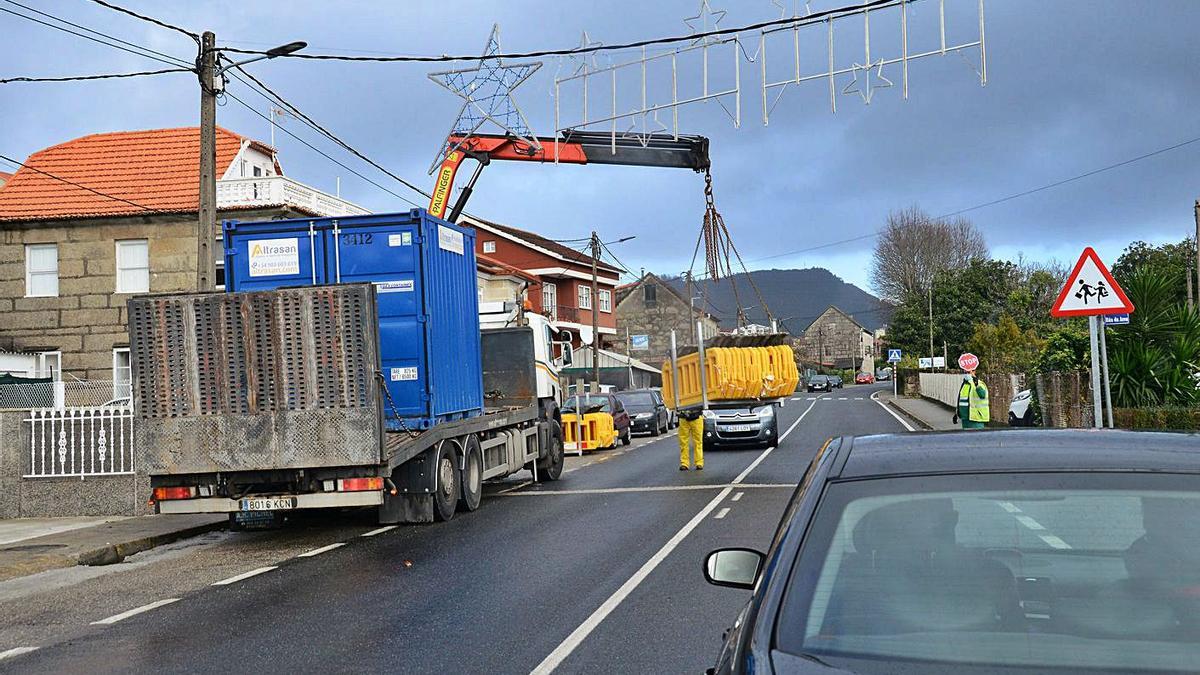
(268,503)
(739,427)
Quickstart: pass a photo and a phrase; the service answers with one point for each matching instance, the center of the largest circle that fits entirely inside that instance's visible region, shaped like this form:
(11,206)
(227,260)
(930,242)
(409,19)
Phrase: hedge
(1175,418)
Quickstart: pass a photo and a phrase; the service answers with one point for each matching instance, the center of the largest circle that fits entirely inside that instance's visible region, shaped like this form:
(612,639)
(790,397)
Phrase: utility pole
(206,225)
(1196,213)
(595,314)
(931,318)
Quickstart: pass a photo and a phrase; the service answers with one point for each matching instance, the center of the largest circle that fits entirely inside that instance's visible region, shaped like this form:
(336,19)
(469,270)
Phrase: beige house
(88,223)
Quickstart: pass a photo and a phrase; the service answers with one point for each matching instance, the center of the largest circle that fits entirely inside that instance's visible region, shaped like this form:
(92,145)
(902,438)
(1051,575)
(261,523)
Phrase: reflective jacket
(975,399)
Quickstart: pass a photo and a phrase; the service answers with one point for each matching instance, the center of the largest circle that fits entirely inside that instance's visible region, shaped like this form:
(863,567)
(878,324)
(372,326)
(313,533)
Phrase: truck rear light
(359,484)
(165,493)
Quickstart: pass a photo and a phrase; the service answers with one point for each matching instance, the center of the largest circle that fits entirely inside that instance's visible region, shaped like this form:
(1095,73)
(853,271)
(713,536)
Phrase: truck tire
(446,480)
(551,468)
(472,475)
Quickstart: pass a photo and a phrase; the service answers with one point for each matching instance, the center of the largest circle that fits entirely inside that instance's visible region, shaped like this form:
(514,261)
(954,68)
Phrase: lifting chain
(392,404)
(718,245)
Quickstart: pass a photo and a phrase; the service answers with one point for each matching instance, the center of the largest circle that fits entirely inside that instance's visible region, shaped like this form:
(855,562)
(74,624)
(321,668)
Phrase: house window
(257,171)
(550,300)
(605,301)
(650,295)
(133,266)
(585,297)
(41,270)
(49,364)
(122,373)
(489,247)
(219,278)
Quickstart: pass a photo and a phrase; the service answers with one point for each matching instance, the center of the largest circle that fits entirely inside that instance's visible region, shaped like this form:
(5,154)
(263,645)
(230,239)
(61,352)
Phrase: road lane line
(782,436)
(891,412)
(319,551)
(737,497)
(644,488)
(1010,507)
(577,636)
(721,514)
(1054,541)
(133,612)
(16,651)
(245,575)
(381,530)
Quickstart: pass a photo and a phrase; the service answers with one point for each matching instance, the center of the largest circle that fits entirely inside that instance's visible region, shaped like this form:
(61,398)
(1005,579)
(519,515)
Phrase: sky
(1073,86)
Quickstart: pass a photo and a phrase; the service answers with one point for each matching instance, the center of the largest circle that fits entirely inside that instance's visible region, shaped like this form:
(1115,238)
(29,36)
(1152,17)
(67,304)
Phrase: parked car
(819,383)
(741,426)
(647,412)
(1020,411)
(983,551)
(864,378)
(883,375)
(605,403)
(835,381)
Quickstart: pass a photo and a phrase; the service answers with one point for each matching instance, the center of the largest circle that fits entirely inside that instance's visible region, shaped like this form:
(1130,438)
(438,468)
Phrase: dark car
(819,383)
(973,552)
(741,426)
(603,402)
(835,381)
(647,412)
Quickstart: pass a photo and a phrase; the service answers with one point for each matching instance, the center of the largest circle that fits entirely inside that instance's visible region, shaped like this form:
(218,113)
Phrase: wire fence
(66,394)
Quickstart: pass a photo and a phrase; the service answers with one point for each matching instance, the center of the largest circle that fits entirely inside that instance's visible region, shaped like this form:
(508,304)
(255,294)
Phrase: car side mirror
(733,567)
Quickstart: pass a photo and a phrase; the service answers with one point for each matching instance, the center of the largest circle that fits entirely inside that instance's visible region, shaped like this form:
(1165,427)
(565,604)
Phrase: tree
(1004,348)
(1155,358)
(914,246)
(1066,348)
(1176,262)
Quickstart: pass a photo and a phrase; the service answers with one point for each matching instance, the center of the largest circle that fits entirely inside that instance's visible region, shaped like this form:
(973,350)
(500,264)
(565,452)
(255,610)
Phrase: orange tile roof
(157,170)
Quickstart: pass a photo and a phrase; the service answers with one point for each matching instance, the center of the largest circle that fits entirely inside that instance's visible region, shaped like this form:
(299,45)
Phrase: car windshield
(637,401)
(985,573)
(818,379)
(590,404)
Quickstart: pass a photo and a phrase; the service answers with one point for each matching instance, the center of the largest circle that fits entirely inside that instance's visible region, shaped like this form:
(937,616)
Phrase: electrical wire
(790,22)
(100,33)
(81,78)
(157,22)
(10,160)
(173,62)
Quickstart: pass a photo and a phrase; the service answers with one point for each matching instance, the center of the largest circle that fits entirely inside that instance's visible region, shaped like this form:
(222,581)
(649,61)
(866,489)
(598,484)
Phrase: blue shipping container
(424,273)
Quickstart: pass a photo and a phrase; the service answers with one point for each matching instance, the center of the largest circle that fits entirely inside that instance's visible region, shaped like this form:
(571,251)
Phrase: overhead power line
(81,78)
(815,17)
(145,53)
(157,22)
(14,162)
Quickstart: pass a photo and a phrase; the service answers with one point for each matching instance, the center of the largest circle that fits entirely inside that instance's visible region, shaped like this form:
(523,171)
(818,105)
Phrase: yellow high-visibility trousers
(693,431)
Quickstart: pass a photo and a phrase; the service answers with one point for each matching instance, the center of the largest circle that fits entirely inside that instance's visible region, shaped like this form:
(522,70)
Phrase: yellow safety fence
(733,374)
(594,433)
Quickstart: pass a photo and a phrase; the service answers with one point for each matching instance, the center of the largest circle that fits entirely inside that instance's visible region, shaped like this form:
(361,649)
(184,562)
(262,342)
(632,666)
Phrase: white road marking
(577,636)
(1029,522)
(858,398)
(891,412)
(737,496)
(245,575)
(319,551)
(381,530)
(133,612)
(1054,541)
(722,513)
(1010,507)
(645,488)
(515,487)
(841,398)
(16,651)
(782,436)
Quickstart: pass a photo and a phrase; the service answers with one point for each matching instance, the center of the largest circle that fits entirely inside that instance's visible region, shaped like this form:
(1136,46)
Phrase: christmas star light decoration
(586,61)
(701,22)
(646,132)
(486,91)
(866,88)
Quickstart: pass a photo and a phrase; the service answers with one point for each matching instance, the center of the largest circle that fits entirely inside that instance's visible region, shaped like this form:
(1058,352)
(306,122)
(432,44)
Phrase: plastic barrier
(595,432)
(732,374)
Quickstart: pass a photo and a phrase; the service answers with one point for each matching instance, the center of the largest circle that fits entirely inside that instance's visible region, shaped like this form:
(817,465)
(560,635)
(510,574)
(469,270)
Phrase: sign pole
(1097,412)
(1104,367)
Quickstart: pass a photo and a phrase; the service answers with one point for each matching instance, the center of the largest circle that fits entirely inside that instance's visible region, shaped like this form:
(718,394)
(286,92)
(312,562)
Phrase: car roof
(1017,450)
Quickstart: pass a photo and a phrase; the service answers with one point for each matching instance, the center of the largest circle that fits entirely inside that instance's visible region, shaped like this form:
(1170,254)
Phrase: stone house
(87,223)
(562,289)
(836,340)
(648,310)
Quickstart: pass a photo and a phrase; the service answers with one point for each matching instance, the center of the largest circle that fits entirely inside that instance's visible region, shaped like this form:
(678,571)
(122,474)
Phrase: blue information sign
(1116,319)
(893,356)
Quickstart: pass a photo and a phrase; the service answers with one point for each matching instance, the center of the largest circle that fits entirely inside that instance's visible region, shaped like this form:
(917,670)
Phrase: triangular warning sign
(1091,290)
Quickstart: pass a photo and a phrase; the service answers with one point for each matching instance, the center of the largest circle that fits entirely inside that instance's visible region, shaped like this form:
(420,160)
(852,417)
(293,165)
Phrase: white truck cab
(547,335)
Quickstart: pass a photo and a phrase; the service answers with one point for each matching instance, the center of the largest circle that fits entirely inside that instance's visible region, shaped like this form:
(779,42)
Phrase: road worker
(691,428)
(973,408)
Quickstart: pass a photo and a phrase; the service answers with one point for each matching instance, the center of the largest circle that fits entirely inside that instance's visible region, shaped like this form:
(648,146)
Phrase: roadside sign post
(894,358)
(1092,291)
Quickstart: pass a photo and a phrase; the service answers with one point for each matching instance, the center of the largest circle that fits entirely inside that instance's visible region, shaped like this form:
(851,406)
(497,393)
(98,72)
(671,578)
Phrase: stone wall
(657,321)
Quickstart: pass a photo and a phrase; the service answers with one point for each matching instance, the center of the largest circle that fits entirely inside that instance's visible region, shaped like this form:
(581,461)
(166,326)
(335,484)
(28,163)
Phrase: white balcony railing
(275,190)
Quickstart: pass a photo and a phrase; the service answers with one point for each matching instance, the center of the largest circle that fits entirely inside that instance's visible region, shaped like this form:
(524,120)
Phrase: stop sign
(968,361)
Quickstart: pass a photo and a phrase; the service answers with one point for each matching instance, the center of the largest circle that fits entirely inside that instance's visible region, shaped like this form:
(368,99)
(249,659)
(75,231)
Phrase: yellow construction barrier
(732,374)
(594,433)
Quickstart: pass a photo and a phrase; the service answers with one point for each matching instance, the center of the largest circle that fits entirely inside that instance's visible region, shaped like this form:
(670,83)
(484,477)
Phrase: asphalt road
(600,571)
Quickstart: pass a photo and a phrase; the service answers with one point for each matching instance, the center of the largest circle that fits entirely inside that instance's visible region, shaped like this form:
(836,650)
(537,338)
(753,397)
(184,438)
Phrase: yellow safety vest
(978,401)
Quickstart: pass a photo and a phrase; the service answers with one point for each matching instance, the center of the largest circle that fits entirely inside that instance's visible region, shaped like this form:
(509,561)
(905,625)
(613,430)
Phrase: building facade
(563,287)
(87,224)
(836,340)
(648,310)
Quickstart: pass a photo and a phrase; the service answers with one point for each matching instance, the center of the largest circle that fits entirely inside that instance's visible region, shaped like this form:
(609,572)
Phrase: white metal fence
(941,387)
(86,441)
(65,394)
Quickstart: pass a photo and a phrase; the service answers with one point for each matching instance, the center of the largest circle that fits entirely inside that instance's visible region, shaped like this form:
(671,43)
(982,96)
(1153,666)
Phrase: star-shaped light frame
(586,62)
(486,91)
(644,135)
(866,89)
(703,17)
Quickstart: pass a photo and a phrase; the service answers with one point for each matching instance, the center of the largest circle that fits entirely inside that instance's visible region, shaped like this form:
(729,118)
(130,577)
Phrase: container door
(387,255)
(262,256)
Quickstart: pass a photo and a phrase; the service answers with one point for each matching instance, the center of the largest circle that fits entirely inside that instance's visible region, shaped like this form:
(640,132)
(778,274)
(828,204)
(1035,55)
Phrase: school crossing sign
(1091,290)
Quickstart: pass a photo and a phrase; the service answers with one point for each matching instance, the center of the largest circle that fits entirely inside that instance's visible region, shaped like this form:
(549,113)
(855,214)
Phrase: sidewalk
(38,544)
(928,414)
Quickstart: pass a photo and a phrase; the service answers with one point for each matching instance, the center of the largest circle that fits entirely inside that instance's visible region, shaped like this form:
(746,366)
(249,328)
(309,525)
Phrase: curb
(909,416)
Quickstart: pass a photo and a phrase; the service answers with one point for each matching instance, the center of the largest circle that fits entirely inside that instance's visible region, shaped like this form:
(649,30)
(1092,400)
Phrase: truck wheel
(625,438)
(472,475)
(446,476)
(552,467)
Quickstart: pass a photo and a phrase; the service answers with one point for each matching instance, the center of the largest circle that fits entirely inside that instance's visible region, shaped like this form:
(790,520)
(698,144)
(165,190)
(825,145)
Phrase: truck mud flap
(402,508)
